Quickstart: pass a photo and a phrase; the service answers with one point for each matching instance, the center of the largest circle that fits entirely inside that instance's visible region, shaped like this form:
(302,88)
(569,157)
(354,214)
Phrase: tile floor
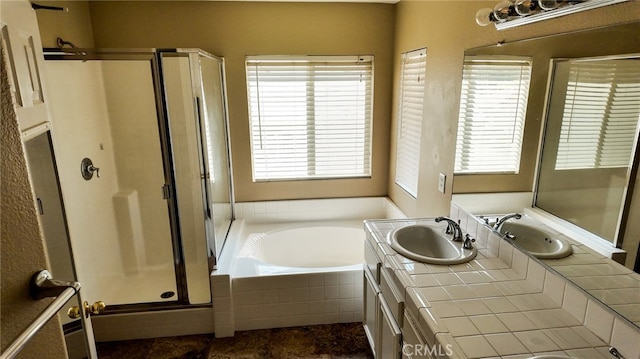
(310,342)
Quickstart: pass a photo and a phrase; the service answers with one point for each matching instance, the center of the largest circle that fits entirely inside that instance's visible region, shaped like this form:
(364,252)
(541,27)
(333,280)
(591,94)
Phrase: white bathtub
(310,247)
(290,263)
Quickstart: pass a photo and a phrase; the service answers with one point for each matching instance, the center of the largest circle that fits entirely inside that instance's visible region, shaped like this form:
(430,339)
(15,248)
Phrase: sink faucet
(500,221)
(467,242)
(452,227)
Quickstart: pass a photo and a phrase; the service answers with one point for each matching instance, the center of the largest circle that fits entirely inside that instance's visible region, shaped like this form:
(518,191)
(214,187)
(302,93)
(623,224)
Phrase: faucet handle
(467,242)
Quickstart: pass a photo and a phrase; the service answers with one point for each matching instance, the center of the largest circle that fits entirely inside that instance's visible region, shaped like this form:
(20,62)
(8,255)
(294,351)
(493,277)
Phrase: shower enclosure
(144,168)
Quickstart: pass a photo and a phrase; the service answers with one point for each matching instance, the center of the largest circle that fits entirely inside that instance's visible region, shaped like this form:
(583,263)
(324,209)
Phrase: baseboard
(157,324)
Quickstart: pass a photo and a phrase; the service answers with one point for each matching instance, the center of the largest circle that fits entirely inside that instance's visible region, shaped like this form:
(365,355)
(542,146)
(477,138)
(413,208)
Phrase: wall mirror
(612,189)
(589,142)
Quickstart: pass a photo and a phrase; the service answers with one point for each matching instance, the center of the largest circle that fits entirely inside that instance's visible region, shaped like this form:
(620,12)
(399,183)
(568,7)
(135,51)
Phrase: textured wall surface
(23,251)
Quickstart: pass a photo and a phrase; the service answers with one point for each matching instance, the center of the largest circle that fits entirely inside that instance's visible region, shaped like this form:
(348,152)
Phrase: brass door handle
(74,312)
(95,309)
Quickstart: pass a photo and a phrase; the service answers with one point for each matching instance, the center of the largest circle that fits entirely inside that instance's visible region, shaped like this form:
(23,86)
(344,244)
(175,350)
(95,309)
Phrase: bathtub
(291,263)
(310,247)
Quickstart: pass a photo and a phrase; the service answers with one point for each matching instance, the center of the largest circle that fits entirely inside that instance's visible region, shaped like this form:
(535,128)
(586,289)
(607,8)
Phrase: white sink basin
(536,241)
(429,244)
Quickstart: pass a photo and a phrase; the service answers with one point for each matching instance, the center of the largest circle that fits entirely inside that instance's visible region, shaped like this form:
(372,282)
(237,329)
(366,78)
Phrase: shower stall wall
(148,224)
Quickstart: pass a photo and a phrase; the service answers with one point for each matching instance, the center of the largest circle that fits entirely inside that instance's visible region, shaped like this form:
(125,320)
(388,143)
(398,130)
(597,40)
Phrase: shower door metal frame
(196,74)
(151,55)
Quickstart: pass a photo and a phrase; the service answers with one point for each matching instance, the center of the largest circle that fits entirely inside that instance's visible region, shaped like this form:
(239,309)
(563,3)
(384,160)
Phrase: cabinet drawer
(391,296)
(372,261)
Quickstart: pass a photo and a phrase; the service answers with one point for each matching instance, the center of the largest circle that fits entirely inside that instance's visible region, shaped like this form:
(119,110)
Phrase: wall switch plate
(442,180)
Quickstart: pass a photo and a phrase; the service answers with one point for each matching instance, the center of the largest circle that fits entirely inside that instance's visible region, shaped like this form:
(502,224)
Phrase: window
(600,116)
(310,116)
(410,119)
(493,103)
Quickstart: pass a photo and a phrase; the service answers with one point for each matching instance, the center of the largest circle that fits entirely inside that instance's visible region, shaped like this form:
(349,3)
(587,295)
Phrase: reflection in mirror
(44,181)
(493,103)
(606,280)
(589,140)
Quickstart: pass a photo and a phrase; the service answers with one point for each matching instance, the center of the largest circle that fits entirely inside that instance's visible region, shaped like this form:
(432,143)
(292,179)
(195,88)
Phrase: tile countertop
(501,304)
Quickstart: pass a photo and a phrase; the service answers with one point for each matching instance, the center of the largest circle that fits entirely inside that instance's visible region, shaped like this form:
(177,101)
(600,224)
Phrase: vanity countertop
(501,304)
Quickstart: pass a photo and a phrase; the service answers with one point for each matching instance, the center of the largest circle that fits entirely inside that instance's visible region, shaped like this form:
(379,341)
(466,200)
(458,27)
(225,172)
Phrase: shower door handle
(205,175)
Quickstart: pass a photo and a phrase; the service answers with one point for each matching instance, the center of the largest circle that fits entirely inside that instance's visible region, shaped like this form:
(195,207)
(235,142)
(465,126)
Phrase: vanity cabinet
(392,331)
(383,309)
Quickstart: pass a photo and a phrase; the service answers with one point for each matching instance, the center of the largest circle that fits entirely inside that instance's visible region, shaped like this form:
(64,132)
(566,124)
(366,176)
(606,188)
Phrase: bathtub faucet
(452,227)
(500,221)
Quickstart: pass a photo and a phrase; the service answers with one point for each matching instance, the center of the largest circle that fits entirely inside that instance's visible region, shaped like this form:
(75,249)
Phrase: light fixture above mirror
(510,13)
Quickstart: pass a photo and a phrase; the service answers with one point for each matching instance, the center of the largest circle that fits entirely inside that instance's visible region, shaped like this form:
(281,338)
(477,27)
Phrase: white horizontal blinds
(493,104)
(601,112)
(310,116)
(411,102)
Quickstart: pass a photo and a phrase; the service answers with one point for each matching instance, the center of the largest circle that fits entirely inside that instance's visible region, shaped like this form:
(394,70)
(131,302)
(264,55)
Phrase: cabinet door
(413,346)
(370,310)
(390,336)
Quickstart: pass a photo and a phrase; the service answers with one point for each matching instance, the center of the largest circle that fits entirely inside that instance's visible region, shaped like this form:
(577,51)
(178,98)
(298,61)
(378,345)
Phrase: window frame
(364,136)
(407,160)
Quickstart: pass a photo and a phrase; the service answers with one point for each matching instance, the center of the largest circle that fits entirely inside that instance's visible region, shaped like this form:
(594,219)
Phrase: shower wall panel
(81,128)
(136,145)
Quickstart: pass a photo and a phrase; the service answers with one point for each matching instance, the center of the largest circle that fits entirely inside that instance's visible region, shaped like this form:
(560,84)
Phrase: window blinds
(600,117)
(310,117)
(411,101)
(493,103)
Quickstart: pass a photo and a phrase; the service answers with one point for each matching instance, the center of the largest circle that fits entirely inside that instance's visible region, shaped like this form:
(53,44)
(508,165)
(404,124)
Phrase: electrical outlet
(442,180)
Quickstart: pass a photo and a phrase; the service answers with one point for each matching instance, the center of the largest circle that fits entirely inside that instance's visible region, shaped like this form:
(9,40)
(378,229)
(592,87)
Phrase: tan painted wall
(447,28)
(73,25)
(234,30)
(23,249)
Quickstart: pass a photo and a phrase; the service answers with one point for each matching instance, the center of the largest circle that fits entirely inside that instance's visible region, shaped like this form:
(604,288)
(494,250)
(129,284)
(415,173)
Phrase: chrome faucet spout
(500,221)
(452,227)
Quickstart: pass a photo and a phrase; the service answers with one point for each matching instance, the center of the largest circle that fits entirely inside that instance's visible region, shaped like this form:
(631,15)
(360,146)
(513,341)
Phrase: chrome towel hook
(87,169)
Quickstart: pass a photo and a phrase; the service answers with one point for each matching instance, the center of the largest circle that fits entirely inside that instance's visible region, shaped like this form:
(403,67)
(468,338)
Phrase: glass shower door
(104,109)
(213,127)
(194,94)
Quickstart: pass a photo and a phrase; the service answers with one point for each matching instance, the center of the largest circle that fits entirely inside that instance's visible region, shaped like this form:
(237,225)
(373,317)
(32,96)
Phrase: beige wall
(73,25)
(447,28)
(236,29)
(23,249)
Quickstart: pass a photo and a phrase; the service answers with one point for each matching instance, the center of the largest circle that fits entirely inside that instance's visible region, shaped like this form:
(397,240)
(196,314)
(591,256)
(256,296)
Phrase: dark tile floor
(311,342)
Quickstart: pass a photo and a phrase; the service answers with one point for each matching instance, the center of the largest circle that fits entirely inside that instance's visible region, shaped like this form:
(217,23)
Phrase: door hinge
(166,191)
